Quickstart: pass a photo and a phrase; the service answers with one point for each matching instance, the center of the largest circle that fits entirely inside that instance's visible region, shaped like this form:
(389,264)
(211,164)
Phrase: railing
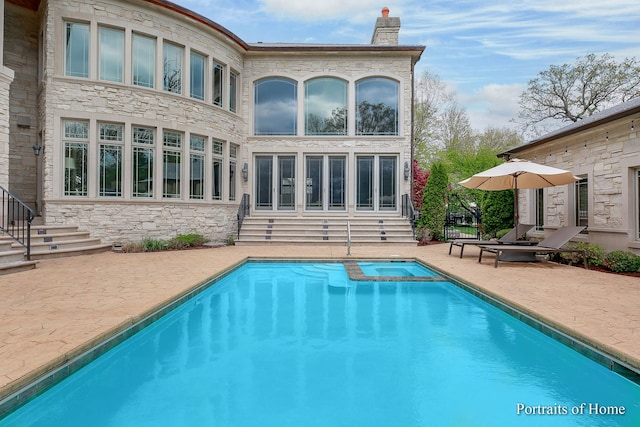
(243,210)
(15,220)
(409,212)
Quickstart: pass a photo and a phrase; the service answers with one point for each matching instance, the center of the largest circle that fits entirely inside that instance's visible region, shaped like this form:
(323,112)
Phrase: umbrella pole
(516,214)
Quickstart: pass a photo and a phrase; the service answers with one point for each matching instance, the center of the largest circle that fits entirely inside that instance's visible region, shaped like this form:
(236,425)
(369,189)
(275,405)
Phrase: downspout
(413,118)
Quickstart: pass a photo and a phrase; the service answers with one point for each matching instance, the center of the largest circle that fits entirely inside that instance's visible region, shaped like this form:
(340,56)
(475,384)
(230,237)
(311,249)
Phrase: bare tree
(571,92)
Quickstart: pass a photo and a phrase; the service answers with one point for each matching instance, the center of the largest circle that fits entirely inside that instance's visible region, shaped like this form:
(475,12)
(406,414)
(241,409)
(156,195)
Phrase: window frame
(71,69)
(137,58)
(264,114)
(107,62)
(172,144)
(343,104)
(193,74)
(197,154)
(72,142)
(361,99)
(115,144)
(147,146)
(172,85)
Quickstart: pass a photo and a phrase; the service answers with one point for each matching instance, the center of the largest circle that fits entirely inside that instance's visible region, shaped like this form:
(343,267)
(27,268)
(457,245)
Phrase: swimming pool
(302,344)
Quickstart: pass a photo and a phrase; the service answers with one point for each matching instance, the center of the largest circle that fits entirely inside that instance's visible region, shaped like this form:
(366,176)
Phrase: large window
(143,61)
(218,84)
(198,65)
(325,105)
(143,156)
(76,148)
(110,139)
(233,168)
(276,107)
(582,202)
(233,91)
(76,49)
(111,54)
(172,66)
(377,107)
(218,156)
(196,172)
(172,164)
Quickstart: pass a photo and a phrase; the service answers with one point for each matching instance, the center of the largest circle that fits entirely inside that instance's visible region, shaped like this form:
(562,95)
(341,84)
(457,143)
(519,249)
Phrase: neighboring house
(604,152)
(137,119)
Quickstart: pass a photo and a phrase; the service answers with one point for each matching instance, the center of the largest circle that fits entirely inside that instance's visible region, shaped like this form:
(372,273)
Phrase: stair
(12,259)
(324,230)
(47,241)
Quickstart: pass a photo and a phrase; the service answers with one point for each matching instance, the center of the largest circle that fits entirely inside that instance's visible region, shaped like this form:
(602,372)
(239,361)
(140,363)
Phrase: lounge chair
(510,238)
(552,244)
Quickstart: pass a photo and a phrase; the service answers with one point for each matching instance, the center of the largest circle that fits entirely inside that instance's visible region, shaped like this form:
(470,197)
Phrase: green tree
(434,200)
(571,92)
(497,213)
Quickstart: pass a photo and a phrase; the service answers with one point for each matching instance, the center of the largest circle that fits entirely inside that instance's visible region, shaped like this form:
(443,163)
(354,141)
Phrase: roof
(610,114)
(415,51)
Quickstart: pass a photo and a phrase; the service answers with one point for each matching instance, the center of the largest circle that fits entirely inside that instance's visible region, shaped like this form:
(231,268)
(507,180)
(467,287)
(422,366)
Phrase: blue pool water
(395,268)
(299,344)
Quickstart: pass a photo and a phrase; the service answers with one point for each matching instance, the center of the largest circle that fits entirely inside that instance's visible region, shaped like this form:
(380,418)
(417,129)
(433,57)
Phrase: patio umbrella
(517,173)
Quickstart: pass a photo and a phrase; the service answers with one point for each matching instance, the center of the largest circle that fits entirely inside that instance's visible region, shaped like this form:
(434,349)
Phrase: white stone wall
(21,56)
(607,156)
(6,77)
(129,222)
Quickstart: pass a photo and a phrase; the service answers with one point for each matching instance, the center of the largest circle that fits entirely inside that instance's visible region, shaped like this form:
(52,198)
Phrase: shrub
(622,262)
(153,245)
(595,254)
(184,241)
(497,213)
(433,213)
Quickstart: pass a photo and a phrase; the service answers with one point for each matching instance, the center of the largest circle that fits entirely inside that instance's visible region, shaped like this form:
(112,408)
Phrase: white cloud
(493,105)
(318,10)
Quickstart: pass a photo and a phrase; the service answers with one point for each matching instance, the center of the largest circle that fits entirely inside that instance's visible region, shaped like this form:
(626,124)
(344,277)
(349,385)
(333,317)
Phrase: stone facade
(605,150)
(43,92)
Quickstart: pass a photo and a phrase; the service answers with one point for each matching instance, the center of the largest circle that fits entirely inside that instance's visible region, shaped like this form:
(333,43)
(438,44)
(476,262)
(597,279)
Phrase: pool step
(320,230)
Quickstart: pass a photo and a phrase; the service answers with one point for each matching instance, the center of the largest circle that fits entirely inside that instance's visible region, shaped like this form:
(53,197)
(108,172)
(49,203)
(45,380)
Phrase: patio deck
(66,306)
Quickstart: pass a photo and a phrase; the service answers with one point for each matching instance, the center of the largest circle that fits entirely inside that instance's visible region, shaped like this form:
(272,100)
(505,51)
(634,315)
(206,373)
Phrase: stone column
(6,77)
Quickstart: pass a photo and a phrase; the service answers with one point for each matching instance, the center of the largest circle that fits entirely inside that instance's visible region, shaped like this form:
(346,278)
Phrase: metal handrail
(409,212)
(15,220)
(243,211)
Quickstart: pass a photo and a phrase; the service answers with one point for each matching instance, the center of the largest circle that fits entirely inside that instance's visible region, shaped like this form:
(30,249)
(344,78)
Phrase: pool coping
(39,380)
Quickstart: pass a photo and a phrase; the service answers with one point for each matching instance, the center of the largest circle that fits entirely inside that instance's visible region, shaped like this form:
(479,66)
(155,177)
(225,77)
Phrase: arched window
(275,107)
(325,106)
(377,106)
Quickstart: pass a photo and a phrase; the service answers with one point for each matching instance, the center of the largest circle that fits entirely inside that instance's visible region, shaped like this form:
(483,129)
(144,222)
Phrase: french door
(275,182)
(325,183)
(376,183)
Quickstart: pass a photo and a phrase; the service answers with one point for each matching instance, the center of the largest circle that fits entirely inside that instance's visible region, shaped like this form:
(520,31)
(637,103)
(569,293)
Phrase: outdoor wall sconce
(245,172)
(407,171)
(36,149)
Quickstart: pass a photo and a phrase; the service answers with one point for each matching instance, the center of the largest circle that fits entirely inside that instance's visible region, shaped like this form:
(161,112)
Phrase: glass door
(325,179)
(268,196)
(264,183)
(376,183)
(286,183)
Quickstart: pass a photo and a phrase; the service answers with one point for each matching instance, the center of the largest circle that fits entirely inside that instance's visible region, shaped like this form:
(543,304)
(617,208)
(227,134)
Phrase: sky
(486,51)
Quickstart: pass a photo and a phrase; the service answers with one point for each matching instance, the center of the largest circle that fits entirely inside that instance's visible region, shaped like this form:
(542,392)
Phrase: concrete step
(320,230)
(17,266)
(61,252)
(11,256)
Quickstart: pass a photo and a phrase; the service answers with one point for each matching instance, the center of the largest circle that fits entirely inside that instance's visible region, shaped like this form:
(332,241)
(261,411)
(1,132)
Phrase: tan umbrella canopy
(517,173)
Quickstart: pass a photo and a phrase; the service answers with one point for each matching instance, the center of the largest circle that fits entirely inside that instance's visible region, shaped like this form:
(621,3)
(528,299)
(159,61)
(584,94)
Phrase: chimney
(386,29)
